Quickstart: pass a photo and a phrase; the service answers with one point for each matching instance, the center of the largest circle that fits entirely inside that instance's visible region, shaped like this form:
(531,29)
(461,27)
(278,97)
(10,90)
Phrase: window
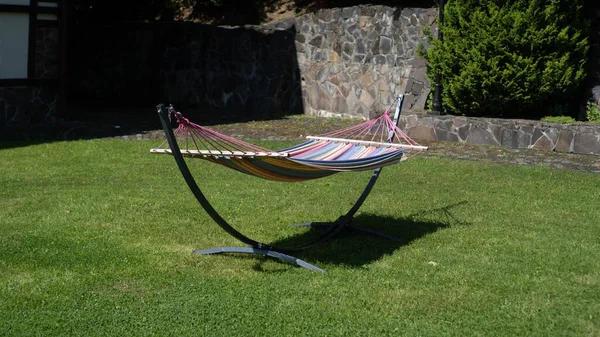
(14,42)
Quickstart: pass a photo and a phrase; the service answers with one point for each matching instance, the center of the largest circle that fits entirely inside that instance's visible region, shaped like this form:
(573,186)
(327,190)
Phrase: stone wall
(20,106)
(215,73)
(242,73)
(576,138)
(354,61)
(341,61)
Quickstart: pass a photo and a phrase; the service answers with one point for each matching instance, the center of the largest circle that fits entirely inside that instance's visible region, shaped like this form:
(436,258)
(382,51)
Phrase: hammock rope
(365,146)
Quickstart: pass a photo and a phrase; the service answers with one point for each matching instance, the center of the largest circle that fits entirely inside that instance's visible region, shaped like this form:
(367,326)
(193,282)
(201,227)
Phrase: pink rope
(213,140)
(375,130)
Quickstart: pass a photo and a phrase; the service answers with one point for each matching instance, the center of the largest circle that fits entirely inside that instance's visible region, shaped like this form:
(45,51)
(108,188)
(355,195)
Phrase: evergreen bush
(511,59)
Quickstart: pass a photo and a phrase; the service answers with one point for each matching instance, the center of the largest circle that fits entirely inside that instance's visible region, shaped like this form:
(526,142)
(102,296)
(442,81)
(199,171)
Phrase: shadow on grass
(355,249)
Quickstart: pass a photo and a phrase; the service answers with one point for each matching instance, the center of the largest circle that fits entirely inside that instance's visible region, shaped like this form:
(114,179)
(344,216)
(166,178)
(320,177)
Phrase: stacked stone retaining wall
(580,138)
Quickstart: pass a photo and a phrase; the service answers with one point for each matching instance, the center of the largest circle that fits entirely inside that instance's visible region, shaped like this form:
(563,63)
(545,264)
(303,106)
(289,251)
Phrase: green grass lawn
(96,239)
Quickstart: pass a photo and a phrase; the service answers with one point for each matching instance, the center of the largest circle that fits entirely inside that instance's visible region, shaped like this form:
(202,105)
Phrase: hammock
(365,146)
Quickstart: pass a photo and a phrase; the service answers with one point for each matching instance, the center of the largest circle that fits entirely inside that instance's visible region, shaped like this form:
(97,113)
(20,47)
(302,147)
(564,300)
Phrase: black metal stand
(332,229)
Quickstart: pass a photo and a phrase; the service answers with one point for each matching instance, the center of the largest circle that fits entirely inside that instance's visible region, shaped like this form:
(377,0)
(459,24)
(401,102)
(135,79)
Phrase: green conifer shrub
(511,59)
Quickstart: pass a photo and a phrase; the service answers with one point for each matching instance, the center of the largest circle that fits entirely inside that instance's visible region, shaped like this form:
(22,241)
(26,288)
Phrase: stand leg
(354,228)
(373,233)
(314,224)
(264,252)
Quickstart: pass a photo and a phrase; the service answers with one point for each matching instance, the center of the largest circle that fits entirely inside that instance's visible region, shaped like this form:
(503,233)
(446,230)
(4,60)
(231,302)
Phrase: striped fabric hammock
(364,146)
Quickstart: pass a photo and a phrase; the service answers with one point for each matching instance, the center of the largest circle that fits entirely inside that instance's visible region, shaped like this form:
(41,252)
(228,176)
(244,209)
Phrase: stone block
(586,143)
(350,38)
(382,85)
(409,100)
(385,45)
(330,87)
(323,100)
(347,12)
(325,15)
(410,120)
(442,123)
(409,85)
(596,93)
(390,59)
(317,41)
(481,137)
(348,48)
(366,80)
(496,131)
(359,58)
(372,90)
(411,45)
(336,68)
(286,23)
(300,48)
(565,141)
(421,100)
(345,88)
(360,34)
(509,138)
(362,21)
(413,20)
(360,47)
(400,49)
(336,79)
(463,131)
(459,121)
(362,111)
(352,99)
(420,62)
(366,99)
(552,134)
(523,140)
(323,74)
(417,88)
(339,103)
(367,11)
(418,73)
(386,99)
(428,121)
(421,132)
(446,136)
(334,57)
(384,69)
(526,129)
(337,47)
(320,56)
(537,134)
(543,143)
(407,12)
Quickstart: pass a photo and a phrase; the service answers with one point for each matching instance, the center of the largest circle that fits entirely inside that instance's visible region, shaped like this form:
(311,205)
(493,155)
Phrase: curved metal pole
(377,171)
(189,179)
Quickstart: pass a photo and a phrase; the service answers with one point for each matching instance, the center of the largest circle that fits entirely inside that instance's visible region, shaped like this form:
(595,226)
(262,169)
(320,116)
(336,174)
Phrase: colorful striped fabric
(310,160)
(315,158)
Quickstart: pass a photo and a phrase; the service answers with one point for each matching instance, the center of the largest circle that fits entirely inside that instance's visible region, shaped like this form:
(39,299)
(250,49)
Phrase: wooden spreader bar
(221,153)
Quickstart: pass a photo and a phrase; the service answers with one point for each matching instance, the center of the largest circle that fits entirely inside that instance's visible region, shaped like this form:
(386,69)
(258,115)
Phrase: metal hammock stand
(344,222)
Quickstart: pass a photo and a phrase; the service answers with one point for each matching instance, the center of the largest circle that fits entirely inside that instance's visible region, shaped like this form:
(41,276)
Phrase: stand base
(264,252)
